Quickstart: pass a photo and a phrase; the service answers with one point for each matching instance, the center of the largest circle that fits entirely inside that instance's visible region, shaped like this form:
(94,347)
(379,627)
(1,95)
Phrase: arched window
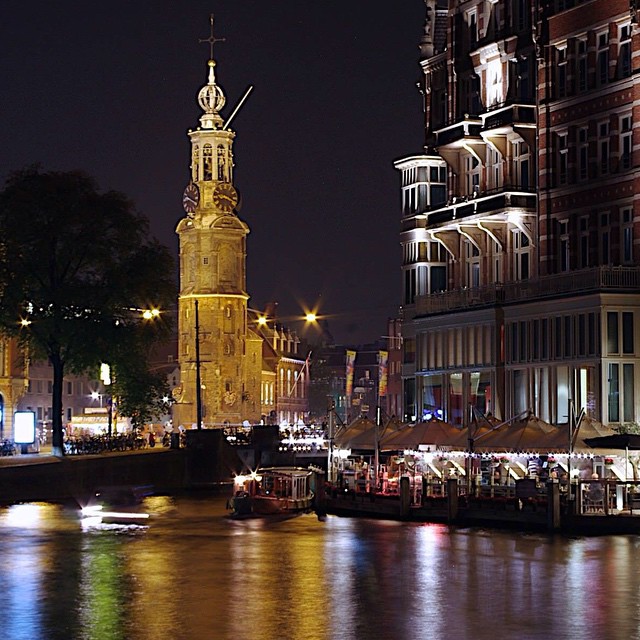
(221,163)
(195,161)
(207,159)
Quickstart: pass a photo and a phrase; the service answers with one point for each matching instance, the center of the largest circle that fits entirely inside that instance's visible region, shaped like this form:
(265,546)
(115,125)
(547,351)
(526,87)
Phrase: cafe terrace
(523,466)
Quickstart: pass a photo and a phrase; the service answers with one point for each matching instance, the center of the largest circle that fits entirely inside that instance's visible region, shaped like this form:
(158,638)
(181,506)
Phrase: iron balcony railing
(483,203)
(596,279)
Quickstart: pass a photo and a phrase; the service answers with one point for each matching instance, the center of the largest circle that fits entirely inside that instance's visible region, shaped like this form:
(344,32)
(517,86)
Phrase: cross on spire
(211,39)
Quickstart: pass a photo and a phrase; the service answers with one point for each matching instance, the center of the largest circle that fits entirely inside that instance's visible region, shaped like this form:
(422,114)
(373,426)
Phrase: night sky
(110,88)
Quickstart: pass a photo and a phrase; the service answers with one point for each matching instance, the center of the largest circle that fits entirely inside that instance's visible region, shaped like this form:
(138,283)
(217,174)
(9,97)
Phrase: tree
(140,394)
(76,267)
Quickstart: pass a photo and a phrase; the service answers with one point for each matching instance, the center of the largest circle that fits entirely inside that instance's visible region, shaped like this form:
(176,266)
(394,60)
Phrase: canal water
(193,574)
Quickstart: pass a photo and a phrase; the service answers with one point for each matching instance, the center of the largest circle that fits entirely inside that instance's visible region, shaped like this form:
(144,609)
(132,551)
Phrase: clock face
(225,197)
(191,198)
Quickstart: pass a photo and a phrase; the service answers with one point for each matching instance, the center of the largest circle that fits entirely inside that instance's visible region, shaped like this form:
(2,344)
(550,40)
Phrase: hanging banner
(383,361)
(350,360)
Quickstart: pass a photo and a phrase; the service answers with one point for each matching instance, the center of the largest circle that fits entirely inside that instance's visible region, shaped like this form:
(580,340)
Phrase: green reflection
(102,591)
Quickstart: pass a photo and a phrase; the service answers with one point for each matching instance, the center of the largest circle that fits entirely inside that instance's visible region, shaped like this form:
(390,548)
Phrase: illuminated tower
(223,353)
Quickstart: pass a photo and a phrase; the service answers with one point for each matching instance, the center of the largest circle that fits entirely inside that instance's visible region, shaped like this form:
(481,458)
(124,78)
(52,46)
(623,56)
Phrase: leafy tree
(76,266)
(141,394)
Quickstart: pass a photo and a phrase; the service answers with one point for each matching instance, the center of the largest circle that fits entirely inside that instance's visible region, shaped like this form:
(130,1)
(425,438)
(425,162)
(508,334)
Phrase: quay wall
(208,461)
(76,478)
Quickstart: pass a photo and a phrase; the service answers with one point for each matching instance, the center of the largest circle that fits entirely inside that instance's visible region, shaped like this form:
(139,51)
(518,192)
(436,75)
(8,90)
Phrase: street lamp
(105,378)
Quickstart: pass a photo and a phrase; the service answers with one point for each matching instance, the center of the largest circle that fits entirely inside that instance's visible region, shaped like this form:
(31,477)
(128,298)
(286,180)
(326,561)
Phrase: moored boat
(273,491)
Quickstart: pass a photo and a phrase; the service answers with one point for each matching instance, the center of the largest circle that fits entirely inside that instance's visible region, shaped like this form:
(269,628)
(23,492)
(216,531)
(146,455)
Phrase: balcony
(585,281)
(514,115)
(501,201)
(458,132)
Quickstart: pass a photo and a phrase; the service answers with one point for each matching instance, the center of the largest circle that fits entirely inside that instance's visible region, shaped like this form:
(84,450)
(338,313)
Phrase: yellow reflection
(26,516)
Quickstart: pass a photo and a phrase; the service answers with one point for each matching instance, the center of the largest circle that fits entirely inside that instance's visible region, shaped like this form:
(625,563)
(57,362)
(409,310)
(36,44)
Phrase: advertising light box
(24,427)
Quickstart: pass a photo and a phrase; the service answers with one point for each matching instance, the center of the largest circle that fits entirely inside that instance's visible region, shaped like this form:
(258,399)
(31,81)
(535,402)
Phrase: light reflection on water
(194,574)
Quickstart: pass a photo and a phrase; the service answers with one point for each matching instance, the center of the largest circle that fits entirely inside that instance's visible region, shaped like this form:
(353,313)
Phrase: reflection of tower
(213,272)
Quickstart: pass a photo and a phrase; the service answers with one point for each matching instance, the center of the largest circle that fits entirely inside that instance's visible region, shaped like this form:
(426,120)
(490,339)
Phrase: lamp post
(105,377)
(198,384)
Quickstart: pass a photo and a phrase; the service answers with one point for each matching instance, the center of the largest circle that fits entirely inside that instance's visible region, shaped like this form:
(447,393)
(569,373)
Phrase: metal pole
(198,385)
(377,452)
(330,474)
(109,415)
(570,489)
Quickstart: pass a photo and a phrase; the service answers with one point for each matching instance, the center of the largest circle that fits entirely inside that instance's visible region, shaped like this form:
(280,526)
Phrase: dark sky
(110,88)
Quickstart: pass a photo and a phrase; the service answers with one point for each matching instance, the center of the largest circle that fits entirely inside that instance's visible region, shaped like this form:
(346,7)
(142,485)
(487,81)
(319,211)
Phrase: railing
(592,280)
(460,207)
(513,114)
(607,497)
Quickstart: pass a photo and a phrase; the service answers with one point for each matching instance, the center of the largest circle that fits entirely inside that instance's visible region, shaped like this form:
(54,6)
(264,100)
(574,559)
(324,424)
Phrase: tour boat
(273,491)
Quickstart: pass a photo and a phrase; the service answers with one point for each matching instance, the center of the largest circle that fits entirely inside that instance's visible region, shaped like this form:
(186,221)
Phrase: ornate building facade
(520,227)
(14,373)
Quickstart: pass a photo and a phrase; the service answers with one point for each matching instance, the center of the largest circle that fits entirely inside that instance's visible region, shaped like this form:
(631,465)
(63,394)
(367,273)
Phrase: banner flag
(383,361)
(350,360)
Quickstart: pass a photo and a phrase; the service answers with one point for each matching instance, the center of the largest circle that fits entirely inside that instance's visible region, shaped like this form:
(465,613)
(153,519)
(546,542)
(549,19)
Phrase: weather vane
(211,39)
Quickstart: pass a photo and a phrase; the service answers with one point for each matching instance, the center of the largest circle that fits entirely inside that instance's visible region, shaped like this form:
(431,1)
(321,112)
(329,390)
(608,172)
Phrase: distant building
(351,391)
(80,395)
(520,223)
(392,401)
(285,369)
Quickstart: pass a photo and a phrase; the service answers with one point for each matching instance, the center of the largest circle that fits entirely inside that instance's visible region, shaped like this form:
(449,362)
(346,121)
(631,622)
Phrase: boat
(117,505)
(273,491)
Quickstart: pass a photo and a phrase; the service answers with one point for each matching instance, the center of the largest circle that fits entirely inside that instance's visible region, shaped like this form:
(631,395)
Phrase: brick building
(520,231)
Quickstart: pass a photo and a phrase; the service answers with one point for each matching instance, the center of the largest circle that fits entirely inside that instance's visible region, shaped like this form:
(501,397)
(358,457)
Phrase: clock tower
(216,348)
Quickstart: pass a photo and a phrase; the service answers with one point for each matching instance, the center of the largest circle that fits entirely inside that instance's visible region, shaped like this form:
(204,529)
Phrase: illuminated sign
(24,427)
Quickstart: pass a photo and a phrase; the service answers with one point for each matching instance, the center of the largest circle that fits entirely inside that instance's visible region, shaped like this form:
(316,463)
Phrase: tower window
(207,159)
(221,163)
(194,163)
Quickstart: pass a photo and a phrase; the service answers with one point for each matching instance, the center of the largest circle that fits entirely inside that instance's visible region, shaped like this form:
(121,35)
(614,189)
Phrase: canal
(192,573)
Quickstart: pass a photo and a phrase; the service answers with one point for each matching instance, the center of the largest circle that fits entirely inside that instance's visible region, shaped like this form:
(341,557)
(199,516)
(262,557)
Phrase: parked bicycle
(8,448)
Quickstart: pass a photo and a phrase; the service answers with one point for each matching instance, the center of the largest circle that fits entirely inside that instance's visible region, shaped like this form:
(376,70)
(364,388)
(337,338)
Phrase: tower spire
(211,39)
(211,97)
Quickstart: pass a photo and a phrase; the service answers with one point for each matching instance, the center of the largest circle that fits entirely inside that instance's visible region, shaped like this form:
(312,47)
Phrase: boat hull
(266,505)
(273,491)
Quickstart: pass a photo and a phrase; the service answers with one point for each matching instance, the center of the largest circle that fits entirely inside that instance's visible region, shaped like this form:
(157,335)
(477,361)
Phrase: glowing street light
(150,314)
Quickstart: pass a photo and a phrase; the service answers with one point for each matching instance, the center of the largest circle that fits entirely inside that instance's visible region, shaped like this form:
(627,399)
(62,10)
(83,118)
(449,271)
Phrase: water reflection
(194,574)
